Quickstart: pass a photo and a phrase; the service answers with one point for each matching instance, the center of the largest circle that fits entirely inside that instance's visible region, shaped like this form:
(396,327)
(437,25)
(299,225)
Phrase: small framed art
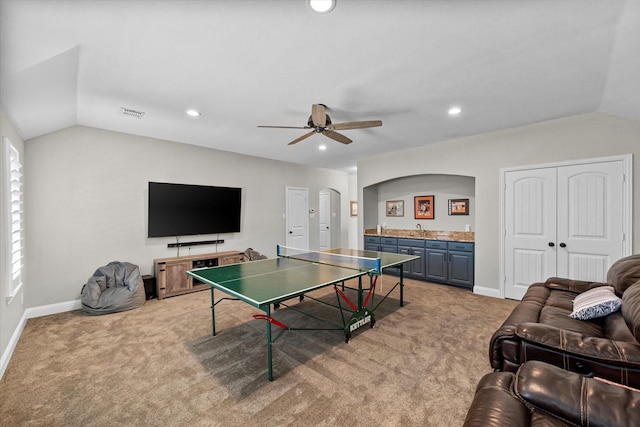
(395,208)
(458,206)
(424,207)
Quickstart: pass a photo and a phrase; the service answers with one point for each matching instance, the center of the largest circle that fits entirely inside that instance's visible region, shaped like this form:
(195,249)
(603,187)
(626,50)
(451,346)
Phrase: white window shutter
(15,218)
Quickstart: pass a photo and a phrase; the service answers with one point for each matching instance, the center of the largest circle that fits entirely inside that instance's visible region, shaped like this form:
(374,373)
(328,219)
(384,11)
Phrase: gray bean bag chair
(114,287)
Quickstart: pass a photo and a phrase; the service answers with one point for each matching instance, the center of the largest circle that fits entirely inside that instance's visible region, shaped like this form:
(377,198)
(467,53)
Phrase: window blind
(15,218)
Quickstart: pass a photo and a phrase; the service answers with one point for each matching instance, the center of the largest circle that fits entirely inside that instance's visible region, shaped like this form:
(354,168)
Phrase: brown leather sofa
(539,394)
(539,328)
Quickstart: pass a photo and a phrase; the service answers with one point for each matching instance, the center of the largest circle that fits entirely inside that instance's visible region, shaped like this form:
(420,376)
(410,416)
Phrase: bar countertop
(455,236)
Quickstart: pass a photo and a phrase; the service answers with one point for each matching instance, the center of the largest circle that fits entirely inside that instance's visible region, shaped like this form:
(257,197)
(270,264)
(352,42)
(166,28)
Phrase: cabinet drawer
(414,243)
(371,247)
(436,244)
(388,240)
(461,246)
(372,239)
(389,248)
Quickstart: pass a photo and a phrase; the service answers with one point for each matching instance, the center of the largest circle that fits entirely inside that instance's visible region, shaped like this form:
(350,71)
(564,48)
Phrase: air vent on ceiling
(132,113)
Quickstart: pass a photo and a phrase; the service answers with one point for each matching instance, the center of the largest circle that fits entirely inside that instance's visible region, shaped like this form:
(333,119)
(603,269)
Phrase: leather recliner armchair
(539,394)
(540,328)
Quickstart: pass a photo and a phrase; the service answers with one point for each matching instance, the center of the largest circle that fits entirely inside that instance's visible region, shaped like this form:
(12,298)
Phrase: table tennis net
(339,260)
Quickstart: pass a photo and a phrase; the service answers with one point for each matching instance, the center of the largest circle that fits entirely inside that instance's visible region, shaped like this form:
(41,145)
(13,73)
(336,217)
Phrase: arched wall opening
(399,194)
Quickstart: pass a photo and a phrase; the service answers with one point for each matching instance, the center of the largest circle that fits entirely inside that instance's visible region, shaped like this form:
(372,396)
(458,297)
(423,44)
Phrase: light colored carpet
(159,365)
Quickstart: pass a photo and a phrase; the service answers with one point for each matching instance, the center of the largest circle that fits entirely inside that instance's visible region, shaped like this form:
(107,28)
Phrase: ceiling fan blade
(305,136)
(285,127)
(319,115)
(355,125)
(336,136)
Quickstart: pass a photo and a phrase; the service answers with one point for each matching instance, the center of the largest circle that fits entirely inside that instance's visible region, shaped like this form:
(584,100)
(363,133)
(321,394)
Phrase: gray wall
(442,187)
(482,156)
(86,200)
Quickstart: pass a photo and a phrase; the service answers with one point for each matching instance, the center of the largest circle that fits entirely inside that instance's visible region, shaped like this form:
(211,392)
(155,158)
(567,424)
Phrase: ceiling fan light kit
(320,122)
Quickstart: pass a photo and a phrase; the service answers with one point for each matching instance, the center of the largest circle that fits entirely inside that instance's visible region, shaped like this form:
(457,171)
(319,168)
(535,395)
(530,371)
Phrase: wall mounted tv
(183,210)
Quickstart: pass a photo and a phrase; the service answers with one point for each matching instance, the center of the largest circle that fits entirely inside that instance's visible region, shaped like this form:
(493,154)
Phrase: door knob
(290,232)
(552,244)
(563,245)
(327,228)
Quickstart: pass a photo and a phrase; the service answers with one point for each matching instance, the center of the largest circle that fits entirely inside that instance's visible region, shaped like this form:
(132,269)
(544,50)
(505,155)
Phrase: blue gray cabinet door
(436,264)
(415,268)
(461,268)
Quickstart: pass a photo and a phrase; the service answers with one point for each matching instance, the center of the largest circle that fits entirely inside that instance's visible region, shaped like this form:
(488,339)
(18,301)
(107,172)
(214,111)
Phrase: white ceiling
(247,63)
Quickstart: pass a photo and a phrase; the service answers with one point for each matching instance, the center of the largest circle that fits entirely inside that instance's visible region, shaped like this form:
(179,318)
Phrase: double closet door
(564,221)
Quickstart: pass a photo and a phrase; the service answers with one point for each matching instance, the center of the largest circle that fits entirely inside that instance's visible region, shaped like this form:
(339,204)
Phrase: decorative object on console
(252,255)
(458,206)
(395,208)
(424,207)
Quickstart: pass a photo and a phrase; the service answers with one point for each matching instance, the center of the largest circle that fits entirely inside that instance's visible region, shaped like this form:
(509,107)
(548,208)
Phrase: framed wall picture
(424,207)
(458,206)
(354,208)
(395,208)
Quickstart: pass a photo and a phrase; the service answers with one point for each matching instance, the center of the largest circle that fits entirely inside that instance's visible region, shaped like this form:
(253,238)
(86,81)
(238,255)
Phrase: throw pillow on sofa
(596,302)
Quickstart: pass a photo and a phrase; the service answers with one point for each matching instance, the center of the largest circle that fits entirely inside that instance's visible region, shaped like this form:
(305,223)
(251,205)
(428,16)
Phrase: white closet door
(565,221)
(590,219)
(530,225)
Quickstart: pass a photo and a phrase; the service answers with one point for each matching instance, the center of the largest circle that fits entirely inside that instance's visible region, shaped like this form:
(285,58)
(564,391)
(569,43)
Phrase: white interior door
(590,222)
(566,221)
(530,224)
(324,219)
(297,219)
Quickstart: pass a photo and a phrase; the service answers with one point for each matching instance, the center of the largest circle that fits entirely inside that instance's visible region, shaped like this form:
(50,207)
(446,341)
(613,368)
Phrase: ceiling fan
(320,122)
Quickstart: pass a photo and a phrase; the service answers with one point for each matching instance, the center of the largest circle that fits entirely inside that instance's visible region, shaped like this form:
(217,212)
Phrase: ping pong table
(293,274)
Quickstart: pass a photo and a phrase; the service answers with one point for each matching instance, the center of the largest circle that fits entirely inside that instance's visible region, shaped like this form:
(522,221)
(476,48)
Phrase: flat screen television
(184,210)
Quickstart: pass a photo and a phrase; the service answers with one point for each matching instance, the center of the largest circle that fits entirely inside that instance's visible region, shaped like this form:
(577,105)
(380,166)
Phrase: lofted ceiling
(246,63)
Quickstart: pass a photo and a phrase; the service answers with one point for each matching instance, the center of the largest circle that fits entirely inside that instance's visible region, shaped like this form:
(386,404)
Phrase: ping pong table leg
(269,343)
(401,287)
(213,314)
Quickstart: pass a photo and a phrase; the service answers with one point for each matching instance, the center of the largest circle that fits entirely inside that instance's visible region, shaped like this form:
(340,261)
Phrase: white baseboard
(487,292)
(45,310)
(30,313)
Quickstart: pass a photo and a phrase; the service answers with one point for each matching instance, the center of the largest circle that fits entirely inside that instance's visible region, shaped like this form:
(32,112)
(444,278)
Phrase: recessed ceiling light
(322,147)
(454,111)
(193,113)
(322,6)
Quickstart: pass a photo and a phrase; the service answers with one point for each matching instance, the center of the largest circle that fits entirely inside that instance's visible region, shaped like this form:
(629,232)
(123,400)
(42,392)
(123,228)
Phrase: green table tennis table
(295,273)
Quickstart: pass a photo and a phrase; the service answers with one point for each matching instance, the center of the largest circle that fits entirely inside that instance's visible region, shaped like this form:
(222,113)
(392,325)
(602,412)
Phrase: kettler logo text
(363,321)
